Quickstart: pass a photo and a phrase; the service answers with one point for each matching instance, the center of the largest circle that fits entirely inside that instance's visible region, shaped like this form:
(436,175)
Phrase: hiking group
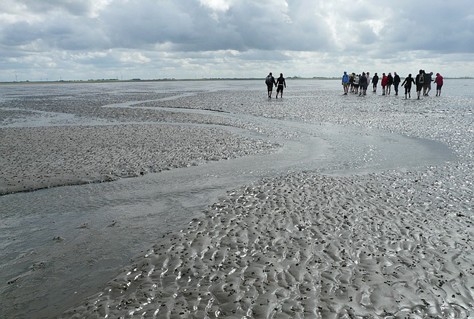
(358,83)
(280,83)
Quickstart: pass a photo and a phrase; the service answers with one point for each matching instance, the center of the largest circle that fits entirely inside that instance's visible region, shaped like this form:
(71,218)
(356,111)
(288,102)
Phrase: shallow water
(60,245)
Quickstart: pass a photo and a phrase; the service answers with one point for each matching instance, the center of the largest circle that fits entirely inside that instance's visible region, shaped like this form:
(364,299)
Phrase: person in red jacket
(439,84)
(384,83)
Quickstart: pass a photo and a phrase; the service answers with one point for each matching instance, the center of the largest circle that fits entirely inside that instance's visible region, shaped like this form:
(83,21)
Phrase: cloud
(179,37)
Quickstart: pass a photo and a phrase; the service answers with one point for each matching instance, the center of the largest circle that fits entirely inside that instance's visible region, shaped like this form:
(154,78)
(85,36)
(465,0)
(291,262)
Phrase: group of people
(280,83)
(358,83)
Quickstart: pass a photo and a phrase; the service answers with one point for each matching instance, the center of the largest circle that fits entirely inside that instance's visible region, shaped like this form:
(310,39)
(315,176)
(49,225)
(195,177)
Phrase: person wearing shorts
(419,80)
(280,83)
(270,82)
(407,85)
(427,84)
(439,84)
(345,82)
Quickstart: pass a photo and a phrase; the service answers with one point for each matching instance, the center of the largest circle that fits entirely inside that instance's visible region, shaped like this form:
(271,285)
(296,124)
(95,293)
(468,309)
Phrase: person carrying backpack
(419,81)
(270,82)
(345,82)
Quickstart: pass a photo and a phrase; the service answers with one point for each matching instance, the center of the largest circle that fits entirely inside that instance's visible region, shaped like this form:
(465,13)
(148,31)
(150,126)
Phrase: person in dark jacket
(270,82)
(363,84)
(396,82)
(407,85)
(419,80)
(427,84)
(280,83)
(375,80)
(389,83)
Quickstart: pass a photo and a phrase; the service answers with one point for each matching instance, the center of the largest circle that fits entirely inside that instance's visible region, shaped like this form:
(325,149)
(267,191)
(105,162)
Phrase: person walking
(427,84)
(439,84)
(280,83)
(351,81)
(384,83)
(375,80)
(389,83)
(419,80)
(396,82)
(407,85)
(270,82)
(363,84)
(356,83)
(345,82)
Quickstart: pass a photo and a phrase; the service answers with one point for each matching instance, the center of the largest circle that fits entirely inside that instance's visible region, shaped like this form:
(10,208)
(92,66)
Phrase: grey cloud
(19,33)
(72,7)
(167,32)
(442,26)
(188,26)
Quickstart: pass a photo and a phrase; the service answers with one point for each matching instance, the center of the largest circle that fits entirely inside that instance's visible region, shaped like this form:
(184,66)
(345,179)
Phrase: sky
(51,40)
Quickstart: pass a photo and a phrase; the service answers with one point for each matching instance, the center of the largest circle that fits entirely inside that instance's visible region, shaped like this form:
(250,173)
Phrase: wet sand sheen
(396,242)
(302,246)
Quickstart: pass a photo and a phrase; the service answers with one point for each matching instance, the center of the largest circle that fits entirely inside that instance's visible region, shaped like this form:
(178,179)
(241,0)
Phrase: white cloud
(134,58)
(229,38)
(217,5)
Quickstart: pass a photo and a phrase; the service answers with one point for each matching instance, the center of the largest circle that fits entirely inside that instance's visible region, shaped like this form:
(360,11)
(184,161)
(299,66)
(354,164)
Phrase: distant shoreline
(160,80)
(182,80)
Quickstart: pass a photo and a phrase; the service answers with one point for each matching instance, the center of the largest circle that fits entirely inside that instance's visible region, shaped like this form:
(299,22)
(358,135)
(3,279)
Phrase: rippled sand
(389,244)
(308,246)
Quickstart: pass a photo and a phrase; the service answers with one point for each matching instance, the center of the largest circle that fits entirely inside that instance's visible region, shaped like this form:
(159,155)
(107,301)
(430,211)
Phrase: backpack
(345,78)
(268,80)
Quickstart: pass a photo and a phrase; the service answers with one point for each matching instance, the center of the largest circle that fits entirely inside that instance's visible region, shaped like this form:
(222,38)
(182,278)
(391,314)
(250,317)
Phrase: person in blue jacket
(345,82)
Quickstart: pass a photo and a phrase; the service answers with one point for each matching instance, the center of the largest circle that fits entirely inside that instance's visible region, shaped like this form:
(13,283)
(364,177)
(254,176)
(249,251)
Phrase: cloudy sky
(150,39)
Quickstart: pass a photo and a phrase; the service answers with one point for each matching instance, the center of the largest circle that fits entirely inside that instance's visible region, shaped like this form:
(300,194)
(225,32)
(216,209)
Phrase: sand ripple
(303,246)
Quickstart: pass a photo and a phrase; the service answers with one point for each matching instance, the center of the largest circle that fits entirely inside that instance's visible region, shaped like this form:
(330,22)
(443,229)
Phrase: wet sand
(70,155)
(329,242)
